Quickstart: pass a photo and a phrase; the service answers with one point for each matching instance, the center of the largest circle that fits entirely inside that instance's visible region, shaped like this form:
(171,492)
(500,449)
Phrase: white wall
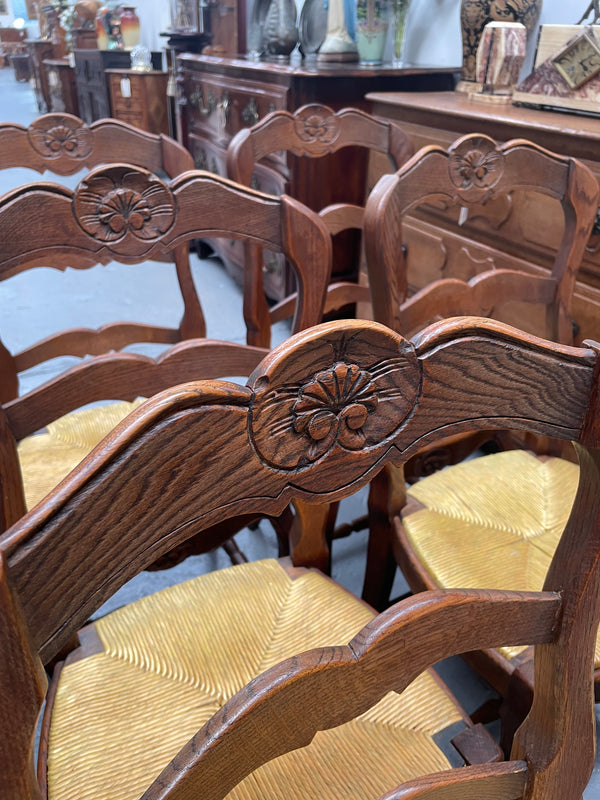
(155,16)
(6,20)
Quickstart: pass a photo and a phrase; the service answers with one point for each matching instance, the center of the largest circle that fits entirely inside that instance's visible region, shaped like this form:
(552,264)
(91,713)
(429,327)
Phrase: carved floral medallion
(475,164)
(55,137)
(351,401)
(316,125)
(118,202)
(335,405)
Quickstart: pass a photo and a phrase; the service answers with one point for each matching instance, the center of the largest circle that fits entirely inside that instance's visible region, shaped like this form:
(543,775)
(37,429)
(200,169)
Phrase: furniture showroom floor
(34,303)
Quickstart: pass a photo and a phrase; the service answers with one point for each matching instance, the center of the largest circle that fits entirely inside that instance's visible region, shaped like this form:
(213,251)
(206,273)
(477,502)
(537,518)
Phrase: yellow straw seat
(46,458)
(491,522)
(163,665)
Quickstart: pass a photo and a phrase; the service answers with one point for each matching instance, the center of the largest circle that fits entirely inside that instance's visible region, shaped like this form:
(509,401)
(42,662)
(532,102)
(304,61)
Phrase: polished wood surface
(256,447)
(220,96)
(311,132)
(526,229)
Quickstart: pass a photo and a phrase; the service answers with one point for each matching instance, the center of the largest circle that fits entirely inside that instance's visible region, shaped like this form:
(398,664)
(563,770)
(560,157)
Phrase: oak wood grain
(205,451)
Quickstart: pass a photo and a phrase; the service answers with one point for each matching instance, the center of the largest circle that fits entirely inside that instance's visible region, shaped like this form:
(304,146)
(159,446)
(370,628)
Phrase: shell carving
(334,407)
(475,165)
(352,400)
(316,126)
(119,202)
(63,137)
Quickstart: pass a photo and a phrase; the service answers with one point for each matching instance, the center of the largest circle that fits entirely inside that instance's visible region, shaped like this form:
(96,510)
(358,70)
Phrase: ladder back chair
(63,145)
(128,214)
(476,523)
(313,131)
(263,680)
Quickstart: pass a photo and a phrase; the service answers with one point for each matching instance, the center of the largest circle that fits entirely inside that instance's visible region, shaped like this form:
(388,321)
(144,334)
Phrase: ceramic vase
(130,27)
(280,31)
(475,15)
(372,23)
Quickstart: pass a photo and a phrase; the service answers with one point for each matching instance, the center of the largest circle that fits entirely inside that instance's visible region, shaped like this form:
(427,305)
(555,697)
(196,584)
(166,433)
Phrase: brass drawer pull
(197,101)
(250,113)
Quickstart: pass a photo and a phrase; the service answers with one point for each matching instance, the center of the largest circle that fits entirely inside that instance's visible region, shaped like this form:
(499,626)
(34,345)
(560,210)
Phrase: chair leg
(516,704)
(256,309)
(387,495)
(233,551)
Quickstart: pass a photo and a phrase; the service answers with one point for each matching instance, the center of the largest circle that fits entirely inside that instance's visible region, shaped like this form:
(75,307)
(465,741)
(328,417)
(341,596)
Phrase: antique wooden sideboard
(522,229)
(218,96)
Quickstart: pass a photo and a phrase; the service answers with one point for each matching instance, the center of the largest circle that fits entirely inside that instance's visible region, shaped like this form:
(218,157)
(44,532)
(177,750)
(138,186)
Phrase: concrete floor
(34,304)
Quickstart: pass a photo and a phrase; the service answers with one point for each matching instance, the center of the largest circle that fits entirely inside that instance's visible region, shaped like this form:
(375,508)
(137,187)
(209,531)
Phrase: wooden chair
(127,214)
(476,523)
(168,696)
(313,131)
(64,145)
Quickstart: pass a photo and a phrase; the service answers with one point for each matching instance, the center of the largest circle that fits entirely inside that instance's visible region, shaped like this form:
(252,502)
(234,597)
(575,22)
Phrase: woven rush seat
(491,522)
(160,667)
(48,457)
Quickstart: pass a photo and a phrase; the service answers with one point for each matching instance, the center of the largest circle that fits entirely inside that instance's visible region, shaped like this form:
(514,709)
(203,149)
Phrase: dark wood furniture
(312,132)
(61,82)
(40,50)
(21,64)
(139,98)
(527,229)
(219,96)
(203,450)
(92,81)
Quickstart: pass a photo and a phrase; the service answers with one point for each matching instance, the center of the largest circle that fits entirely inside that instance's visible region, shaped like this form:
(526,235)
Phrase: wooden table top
(458,112)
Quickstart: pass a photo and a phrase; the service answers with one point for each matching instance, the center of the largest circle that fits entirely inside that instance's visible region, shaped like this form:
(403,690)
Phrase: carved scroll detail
(117,202)
(353,404)
(63,137)
(475,164)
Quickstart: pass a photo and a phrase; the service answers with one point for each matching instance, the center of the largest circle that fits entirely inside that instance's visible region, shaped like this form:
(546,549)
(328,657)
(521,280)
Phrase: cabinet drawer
(219,107)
